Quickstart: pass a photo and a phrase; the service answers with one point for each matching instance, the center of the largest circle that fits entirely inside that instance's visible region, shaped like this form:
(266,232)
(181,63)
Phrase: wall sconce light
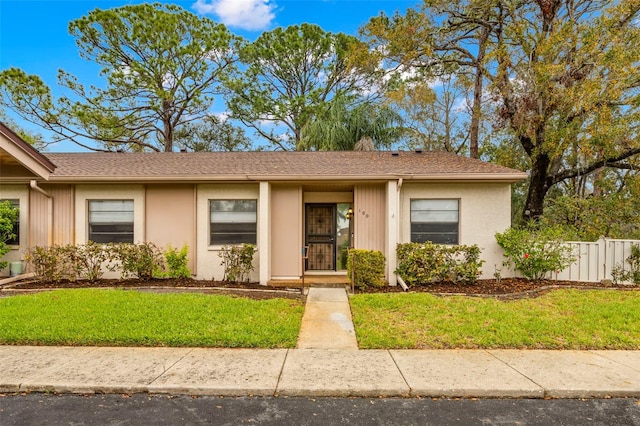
(349,214)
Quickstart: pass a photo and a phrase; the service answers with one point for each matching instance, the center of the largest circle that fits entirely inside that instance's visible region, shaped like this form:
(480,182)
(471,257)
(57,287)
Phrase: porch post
(264,233)
(392,223)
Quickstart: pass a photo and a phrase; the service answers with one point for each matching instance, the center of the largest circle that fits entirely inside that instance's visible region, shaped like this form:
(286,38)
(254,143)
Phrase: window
(111,221)
(16,225)
(232,221)
(435,221)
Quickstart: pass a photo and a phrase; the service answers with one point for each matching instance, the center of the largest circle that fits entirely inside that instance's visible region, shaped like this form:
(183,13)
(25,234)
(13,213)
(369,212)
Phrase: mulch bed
(508,288)
(250,290)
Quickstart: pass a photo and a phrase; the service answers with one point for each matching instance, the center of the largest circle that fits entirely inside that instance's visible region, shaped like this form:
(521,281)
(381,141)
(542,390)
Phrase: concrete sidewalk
(326,372)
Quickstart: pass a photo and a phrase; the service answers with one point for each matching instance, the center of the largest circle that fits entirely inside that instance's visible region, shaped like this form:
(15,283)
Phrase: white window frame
(227,217)
(112,222)
(440,214)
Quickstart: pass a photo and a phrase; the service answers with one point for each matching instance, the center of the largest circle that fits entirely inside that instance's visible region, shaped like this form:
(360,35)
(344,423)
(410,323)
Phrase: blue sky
(34,37)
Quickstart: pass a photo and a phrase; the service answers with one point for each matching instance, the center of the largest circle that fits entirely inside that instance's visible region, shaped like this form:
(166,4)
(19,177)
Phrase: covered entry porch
(312,225)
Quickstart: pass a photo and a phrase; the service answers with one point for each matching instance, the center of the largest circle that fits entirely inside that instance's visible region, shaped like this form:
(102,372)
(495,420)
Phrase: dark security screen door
(321,237)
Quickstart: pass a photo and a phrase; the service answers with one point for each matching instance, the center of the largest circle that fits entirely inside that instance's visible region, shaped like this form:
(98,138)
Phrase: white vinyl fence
(596,260)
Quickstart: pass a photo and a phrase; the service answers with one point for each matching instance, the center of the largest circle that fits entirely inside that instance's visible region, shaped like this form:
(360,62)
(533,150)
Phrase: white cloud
(249,15)
(223,116)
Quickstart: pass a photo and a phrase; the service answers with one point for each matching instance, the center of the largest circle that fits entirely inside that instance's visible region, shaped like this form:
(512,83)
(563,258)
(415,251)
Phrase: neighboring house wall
(170,218)
(484,209)
(286,231)
(21,193)
(208,261)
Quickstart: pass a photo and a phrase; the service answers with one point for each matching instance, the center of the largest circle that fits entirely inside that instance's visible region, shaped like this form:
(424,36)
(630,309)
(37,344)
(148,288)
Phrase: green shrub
(139,260)
(621,274)
(8,216)
(535,251)
(237,262)
(70,262)
(47,263)
(87,260)
(424,263)
(176,262)
(366,268)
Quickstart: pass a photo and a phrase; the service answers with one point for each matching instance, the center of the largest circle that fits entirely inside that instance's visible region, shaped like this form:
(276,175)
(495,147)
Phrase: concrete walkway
(322,372)
(327,323)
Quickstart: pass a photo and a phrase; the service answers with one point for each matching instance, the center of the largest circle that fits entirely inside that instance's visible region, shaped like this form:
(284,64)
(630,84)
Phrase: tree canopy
(212,133)
(341,126)
(559,78)
(291,74)
(162,67)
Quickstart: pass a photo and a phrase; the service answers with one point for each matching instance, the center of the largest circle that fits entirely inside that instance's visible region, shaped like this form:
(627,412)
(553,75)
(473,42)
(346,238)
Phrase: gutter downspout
(399,279)
(404,285)
(34,185)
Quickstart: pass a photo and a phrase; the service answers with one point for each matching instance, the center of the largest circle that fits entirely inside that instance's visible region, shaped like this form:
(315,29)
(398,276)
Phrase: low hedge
(89,261)
(424,263)
(366,268)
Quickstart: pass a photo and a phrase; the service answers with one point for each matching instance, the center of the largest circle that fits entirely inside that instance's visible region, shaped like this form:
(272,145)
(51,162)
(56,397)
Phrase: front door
(321,237)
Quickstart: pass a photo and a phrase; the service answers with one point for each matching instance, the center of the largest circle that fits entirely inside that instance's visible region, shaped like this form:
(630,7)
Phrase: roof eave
(442,177)
(26,154)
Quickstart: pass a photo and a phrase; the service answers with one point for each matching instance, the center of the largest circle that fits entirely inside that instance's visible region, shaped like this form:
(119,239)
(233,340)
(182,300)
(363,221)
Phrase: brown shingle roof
(205,166)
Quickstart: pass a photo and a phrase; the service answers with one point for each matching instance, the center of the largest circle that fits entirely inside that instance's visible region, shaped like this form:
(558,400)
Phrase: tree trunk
(474,128)
(538,188)
(167,127)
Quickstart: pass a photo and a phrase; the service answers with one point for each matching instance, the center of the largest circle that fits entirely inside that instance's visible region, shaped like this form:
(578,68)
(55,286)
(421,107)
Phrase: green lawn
(561,319)
(131,318)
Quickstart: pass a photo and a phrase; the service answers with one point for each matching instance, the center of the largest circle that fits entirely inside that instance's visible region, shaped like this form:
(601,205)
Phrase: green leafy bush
(87,260)
(140,260)
(366,267)
(621,274)
(237,262)
(535,251)
(424,263)
(69,262)
(176,262)
(47,263)
(8,216)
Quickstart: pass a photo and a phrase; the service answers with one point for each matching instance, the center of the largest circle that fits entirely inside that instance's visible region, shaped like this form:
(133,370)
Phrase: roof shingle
(274,165)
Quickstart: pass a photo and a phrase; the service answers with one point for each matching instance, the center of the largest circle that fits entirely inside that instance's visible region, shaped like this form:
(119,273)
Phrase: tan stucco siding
(21,193)
(369,220)
(63,199)
(286,231)
(208,261)
(484,209)
(170,218)
(84,193)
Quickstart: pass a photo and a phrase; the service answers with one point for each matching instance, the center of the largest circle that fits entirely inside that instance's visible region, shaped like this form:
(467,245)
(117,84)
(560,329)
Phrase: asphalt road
(140,409)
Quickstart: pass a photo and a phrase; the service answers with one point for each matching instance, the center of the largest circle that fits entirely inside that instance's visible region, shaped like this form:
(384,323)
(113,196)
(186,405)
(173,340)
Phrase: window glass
(435,221)
(233,221)
(111,221)
(16,225)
